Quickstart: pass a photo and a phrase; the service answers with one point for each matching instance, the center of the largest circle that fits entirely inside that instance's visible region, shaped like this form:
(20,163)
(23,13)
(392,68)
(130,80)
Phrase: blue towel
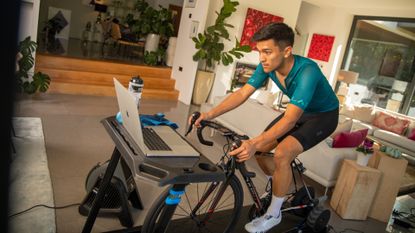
(148,120)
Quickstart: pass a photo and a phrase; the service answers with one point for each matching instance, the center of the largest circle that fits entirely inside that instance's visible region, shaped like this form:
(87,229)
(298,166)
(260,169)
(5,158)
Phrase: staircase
(91,77)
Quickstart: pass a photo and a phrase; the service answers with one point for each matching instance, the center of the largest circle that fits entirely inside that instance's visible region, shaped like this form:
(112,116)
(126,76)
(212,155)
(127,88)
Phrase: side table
(354,190)
(392,172)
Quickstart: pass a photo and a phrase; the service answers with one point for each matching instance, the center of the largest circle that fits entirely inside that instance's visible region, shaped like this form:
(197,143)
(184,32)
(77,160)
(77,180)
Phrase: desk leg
(101,191)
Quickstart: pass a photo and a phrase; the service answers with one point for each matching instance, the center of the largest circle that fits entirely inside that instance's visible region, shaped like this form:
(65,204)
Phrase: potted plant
(155,24)
(210,50)
(364,152)
(28,82)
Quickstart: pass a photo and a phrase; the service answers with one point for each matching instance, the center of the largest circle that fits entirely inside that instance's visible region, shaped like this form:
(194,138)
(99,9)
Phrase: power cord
(46,206)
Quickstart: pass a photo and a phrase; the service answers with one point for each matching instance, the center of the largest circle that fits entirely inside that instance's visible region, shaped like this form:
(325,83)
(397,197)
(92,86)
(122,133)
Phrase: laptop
(154,141)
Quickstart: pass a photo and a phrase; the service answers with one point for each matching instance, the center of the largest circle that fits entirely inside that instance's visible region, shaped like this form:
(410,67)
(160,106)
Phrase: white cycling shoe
(263,223)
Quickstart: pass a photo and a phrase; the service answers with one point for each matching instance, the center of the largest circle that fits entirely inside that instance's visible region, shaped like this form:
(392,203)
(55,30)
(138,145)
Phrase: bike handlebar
(226,132)
(236,138)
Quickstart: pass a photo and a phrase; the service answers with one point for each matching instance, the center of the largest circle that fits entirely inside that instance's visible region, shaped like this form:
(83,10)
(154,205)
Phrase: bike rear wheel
(223,219)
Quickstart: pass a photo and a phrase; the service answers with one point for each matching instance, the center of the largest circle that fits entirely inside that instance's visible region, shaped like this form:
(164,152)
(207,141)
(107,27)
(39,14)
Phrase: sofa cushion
(352,139)
(395,139)
(358,125)
(390,123)
(347,110)
(364,113)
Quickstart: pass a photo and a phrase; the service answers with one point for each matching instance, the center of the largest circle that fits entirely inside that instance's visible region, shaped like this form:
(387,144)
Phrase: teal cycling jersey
(306,85)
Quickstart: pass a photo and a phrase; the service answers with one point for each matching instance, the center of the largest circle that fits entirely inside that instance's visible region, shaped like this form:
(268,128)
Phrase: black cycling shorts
(311,128)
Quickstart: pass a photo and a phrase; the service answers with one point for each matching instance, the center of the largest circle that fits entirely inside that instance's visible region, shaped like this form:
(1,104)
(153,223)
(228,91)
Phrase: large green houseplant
(155,24)
(28,82)
(211,50)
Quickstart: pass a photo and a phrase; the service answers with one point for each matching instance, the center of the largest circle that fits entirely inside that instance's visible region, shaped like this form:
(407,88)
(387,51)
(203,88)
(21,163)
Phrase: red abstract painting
(256,19)
(320,47)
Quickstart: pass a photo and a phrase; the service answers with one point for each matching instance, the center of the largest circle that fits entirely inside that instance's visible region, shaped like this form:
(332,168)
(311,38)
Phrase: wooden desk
(354,190)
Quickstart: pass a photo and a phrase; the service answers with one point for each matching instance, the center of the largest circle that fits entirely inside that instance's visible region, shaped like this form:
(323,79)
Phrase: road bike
(216,206)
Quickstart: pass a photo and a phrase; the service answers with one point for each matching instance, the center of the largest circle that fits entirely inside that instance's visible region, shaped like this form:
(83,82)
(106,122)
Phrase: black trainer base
(115,202)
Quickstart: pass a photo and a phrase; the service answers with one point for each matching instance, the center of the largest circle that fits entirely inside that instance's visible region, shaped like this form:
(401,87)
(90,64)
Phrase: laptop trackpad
(179,146)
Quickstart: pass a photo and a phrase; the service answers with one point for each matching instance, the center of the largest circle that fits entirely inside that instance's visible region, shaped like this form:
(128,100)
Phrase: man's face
(270,55)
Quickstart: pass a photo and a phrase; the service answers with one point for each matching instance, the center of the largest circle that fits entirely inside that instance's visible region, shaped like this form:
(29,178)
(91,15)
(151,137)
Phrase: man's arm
(232,101)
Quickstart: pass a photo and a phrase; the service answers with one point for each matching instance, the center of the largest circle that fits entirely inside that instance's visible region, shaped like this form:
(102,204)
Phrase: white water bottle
(136,87)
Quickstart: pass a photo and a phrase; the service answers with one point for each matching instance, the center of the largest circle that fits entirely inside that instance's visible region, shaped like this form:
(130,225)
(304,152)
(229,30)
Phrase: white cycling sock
(275,206)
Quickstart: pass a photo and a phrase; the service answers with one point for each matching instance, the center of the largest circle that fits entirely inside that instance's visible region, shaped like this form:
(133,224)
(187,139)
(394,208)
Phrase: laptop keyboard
(153,141)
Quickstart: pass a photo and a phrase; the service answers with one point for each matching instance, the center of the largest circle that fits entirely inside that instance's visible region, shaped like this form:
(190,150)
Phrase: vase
(202,87)
(363,159)
(152,43)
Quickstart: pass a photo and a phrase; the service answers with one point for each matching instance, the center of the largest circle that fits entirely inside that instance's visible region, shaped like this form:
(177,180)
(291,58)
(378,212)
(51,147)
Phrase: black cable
(42,205)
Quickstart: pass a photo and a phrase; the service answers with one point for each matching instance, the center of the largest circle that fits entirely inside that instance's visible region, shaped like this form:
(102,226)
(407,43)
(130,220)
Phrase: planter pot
(202,87)
(170,51)
(152,43)
(363,159)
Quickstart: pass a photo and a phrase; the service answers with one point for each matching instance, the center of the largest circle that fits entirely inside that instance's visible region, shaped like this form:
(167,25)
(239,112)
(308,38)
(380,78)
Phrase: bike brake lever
(195,116)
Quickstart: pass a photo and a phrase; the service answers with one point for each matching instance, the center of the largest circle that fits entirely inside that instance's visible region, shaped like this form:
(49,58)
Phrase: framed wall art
(255,20)
(320,47)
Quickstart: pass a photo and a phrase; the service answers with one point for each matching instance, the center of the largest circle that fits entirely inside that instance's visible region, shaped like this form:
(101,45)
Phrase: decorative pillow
(390,123)
(364,113)
(412,135)
(352,139)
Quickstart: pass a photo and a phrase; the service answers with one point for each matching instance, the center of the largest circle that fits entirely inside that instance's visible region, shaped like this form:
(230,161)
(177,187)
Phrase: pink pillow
(390,123)
(412,135)
(352,139)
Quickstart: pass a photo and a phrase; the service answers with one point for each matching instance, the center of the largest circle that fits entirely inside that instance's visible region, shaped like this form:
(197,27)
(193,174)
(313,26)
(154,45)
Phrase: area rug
(30,182)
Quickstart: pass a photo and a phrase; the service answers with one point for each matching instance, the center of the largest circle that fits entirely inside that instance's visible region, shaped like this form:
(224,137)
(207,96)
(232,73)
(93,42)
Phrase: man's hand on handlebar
(245,151)
(202,116)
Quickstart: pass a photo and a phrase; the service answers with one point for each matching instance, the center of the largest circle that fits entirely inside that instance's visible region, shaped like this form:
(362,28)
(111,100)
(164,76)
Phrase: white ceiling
(359,5)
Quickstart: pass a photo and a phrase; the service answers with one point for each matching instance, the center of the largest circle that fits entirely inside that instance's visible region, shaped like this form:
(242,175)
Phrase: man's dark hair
(281,33)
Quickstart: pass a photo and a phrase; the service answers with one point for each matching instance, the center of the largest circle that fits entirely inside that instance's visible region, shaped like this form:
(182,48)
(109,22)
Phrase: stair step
(76,64)
(84,89)
(103,79)
(92,77)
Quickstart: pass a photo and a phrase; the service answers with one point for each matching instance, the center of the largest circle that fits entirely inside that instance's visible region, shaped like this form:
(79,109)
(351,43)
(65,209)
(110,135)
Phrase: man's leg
(285,153)
(266,162)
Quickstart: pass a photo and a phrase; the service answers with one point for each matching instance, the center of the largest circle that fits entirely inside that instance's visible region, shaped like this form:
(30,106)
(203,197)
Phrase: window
(382,51)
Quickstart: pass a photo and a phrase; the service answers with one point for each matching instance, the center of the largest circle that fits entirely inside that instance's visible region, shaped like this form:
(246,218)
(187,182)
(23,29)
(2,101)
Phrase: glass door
(382,51)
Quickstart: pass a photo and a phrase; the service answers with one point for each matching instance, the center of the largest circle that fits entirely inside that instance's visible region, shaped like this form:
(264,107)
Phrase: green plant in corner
(210,48)
(27,82)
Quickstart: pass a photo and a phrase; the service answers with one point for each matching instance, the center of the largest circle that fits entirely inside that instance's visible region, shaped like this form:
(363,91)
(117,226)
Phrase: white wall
(185,49)
(327,21)
(29,14)
(283,8)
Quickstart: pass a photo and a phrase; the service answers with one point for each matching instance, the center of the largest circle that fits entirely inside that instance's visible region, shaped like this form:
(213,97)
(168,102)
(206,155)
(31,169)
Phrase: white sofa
(322,162)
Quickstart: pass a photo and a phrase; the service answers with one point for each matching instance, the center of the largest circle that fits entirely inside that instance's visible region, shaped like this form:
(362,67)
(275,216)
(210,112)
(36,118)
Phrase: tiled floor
(76,141)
